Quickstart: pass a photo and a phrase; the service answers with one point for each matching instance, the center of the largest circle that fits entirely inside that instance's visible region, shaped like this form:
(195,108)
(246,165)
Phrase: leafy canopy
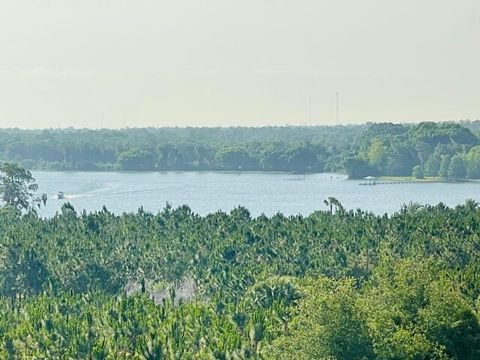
(18,187)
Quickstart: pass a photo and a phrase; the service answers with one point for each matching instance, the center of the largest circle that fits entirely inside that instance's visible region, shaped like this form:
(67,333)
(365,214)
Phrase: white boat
(60,195)
(370,180)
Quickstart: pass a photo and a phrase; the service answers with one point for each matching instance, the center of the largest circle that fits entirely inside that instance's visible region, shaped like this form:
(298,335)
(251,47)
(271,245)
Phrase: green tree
(417,172)
(328,327)
(444,166)
(414,311)
(18,187)
(358,168)
(449,320)
(472,162)
(456,169)
(424,150)
(136,160)
(400,160)
(235,158)
(432,165)
(377,154)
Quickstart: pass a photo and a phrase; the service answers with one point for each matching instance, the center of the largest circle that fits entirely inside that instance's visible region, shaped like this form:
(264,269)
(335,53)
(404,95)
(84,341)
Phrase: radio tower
(337,108)
(310,110)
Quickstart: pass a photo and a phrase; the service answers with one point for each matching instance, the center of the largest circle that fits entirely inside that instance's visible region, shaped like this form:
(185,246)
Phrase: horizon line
(348,124)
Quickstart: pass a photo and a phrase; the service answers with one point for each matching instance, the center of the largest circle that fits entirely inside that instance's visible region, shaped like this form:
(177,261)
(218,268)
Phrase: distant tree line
(447,150)
(312,149)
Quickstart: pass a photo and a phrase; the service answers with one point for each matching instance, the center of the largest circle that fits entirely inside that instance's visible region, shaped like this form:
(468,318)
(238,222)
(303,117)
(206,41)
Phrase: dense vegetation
(450,151)
(447,150)
(268,149)
(333,285)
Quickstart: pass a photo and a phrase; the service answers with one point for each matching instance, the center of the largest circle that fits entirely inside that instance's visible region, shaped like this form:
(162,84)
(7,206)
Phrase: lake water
(266,193)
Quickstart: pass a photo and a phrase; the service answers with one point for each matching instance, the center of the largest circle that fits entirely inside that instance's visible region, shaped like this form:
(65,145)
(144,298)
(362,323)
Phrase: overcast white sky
(111,63)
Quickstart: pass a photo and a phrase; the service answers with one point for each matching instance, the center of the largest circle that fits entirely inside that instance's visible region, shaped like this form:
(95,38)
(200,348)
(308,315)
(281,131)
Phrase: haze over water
(208,192)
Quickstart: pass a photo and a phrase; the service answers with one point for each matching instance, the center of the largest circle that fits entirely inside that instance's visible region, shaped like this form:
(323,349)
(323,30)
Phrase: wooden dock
(296,177)
(371,183)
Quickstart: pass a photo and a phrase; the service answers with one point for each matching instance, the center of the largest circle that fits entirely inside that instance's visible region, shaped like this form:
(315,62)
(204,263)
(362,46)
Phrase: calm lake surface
(208,192)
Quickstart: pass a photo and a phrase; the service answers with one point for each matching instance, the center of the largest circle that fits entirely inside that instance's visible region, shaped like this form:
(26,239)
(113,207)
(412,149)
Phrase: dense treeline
(267,149)
(446,150)
(334,285)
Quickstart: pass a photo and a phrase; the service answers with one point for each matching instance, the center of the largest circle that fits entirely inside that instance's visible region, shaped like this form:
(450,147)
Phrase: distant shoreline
(380,178)
(426,179)
(188,171)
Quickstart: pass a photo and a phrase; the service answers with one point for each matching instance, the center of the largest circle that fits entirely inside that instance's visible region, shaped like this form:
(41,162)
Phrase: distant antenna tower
(337,109)
(310,110)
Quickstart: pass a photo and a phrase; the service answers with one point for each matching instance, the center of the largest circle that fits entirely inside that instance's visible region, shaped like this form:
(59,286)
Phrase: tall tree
(472,162)
(18,187)
(456,170)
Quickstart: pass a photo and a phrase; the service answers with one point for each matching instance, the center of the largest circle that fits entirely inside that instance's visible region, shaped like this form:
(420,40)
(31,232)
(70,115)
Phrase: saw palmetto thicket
(262,287)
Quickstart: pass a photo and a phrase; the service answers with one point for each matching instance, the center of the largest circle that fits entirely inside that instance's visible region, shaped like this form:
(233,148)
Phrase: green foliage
(358,168)
(417,172)
(18,187)
(396,149)
(266,149)
(360,150)
(334,285)
(231,158)
(414,310)
(377,154)
(327,326)
(445,163)
(432,166)
(409,309)
(472,161)
(456,170)
(135,159)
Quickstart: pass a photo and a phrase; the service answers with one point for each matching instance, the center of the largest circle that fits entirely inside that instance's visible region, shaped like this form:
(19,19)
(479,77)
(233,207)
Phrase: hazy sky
(111,63)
